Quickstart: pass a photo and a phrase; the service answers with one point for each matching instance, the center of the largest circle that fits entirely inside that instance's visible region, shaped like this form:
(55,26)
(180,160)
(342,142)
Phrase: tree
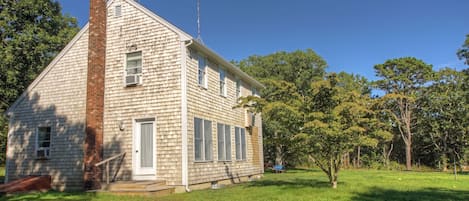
(463,53)
(287,77)
(338,121)
(31,34)
(402,80)
(443,116)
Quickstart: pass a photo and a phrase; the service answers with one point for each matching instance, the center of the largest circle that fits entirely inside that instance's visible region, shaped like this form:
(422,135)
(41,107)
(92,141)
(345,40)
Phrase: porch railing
(106,163)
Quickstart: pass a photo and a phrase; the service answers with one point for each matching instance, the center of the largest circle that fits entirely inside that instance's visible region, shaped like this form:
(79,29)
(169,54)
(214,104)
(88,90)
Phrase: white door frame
(137,172)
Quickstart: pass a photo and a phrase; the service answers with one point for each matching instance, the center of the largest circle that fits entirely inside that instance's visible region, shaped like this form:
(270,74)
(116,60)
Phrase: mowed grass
(354,185)
(2,174)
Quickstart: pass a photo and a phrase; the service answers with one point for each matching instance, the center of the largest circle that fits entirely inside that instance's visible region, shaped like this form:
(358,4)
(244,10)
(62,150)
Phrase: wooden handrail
(109,159)
(107,164)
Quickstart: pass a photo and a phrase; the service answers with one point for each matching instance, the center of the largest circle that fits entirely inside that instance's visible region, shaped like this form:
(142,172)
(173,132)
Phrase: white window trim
(224,143)
(37,148)
(205,76)
(125,68)
(223,91)
(202,154)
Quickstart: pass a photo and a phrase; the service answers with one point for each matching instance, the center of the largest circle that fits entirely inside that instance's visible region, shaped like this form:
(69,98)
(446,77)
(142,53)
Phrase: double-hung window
(202,139)
(202,73)
(240,138)
(133,69)
(43,142)
(238,88)
(224,142)
(222,82)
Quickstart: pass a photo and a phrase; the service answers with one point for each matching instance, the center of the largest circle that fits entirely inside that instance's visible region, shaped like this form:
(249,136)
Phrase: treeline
(333,120)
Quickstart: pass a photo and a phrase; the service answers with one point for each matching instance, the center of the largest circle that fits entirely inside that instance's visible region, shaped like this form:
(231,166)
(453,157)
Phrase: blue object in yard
(279,168)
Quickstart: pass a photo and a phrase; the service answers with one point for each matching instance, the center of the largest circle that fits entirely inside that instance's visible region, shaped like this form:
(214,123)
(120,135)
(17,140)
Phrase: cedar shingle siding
(58,100)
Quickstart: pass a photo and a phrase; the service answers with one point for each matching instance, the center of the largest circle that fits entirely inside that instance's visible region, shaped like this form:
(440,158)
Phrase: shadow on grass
(290,184)
(428,194)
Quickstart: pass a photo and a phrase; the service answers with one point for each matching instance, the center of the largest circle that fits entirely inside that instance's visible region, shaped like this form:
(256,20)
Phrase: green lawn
(354,185)
(2,174)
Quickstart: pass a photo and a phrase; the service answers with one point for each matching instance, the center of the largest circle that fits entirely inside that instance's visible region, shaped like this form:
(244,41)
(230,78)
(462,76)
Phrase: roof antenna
(199,37)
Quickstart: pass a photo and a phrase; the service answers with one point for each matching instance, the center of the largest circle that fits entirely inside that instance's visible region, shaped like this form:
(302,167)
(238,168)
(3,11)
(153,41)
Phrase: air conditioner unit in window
(42,153)
(132,80)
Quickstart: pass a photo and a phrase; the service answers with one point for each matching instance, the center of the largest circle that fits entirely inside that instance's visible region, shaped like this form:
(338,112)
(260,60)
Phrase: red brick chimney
(95,94)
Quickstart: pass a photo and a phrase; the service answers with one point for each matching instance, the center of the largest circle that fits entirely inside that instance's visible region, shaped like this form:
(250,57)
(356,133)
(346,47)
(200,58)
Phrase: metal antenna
(199,37)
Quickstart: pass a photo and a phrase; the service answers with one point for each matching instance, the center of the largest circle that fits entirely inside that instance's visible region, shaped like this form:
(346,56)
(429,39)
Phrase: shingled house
(167,104)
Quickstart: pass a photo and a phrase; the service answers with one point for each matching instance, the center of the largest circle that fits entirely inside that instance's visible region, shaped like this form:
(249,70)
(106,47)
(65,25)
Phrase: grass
(2,174)
(354,185)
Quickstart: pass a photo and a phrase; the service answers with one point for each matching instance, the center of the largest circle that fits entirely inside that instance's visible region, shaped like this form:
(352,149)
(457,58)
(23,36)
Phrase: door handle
(136,151)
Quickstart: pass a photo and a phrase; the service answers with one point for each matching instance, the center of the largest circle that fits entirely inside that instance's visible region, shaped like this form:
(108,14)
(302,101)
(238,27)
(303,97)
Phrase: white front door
(144,149)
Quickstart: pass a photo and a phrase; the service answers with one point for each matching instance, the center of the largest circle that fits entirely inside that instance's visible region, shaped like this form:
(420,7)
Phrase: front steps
(150,188)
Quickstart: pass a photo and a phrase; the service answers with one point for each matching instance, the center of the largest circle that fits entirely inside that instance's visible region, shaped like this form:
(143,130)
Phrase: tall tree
(31,34)
(443,116)
(402,80)
(338,121)
(287,77)
(463,53)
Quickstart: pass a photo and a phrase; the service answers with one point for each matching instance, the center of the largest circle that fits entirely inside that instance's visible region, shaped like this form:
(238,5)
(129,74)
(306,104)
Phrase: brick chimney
(95,94)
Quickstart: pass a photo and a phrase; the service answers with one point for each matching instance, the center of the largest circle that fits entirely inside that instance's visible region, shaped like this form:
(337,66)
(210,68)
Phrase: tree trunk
(278,152)
(408,155)
(358,157)
(444,162)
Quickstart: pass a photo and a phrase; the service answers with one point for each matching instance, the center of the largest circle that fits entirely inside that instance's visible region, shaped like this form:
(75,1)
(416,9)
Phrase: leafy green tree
(338,121)
(281,117)
(463,53)
(287,77)
(31,34)
(443,116)
(403,80)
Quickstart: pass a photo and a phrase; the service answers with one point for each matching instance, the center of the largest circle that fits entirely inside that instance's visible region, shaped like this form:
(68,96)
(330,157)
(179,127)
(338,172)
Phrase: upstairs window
(238,88)
(43,142)
(202,140)
(254,91)
(222,82)
(202,73)
(133,69)
(118,11)
(240,140)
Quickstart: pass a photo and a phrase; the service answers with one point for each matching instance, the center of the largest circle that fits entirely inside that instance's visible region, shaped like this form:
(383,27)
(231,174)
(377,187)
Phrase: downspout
(185,161)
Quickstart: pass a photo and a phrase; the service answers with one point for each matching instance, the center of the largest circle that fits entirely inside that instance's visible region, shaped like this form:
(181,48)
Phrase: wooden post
(107,172)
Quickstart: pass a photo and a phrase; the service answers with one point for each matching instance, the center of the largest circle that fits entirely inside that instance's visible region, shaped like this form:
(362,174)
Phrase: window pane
(222,75)
(198,138)
(221,142)
(243,143)
(238,143)
(228,142)
(134,63)
(146,145)
(44,144)
(238,88)
(43,137)
(202,66)
(208,139)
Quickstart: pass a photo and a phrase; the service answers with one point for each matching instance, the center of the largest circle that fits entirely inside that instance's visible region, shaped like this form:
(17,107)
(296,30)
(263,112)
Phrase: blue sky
(351,36)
